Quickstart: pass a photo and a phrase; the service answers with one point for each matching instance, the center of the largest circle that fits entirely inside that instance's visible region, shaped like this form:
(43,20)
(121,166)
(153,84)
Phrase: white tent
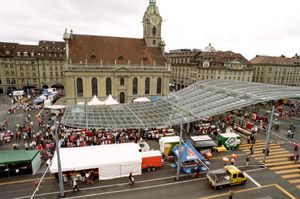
(112,160)
(141,99)
(95,101)
(111,101)
(56,109)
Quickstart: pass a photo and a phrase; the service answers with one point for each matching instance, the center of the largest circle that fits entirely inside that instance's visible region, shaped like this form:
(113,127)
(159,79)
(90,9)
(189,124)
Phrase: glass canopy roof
(200,100)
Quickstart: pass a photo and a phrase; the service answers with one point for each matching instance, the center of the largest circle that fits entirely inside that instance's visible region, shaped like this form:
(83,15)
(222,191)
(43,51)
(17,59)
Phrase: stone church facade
(126,68)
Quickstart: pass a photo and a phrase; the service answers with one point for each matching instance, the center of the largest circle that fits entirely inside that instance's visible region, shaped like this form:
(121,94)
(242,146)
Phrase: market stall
(19,162)
(112,160)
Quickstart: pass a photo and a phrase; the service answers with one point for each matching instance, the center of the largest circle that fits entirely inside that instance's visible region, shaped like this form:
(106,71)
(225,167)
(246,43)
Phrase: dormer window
(25,54)
(93,57)
(120,58)
(205,64)
(32,54)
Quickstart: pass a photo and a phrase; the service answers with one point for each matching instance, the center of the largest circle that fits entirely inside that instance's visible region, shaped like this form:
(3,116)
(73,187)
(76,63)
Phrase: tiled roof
(108,50)
(217,59)
(51,49)
(42,51)
(270,60)
(5,46)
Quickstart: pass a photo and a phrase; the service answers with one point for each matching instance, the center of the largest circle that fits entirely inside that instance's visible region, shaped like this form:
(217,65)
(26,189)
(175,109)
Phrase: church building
(126,68)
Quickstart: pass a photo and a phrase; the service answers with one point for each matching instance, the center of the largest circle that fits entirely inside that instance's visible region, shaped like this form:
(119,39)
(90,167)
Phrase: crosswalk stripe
(284,167)
(287,171)
(294,181)
(261,147)
(279,163)
(274,156)
(257,141)
(271,153)
(275,150)
(258,145)
(275,160)
(295,175)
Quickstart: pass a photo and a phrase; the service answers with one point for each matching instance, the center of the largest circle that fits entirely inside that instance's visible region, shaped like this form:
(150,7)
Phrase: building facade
(189,66)
(31,66)
(126,68)
(277,70)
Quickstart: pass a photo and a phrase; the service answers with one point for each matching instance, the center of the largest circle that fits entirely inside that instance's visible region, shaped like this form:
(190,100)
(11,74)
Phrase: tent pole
(179,151)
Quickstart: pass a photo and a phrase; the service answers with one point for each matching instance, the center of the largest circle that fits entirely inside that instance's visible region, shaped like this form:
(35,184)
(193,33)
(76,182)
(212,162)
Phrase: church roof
(108,50)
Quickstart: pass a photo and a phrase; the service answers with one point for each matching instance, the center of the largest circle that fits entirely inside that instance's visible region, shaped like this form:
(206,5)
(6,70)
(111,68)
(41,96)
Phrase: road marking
(290,176)
(21,181)
(275,160)
(284,167)
(273,156)
(279,163)
(285,191)
(124,184)
(272,153)
(294,181)
(287,171)
(119,191)
(250,178)
(258,146)
(252,189)
(261,148)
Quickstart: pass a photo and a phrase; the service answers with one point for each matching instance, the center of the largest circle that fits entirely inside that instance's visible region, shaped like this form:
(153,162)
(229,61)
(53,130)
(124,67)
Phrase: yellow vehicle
(229,175)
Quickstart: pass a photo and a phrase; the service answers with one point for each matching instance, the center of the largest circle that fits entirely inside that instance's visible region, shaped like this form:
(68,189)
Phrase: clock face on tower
(154,20)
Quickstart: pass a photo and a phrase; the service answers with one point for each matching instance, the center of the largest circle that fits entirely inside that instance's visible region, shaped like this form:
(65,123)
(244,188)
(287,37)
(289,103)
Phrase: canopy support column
(179,151)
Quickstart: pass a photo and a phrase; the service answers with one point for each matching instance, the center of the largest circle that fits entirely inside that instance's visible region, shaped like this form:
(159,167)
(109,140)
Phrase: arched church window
(134,86)
(108,86)
(154,42)
(94,86)
(147,86)
(158,86)
(79,87)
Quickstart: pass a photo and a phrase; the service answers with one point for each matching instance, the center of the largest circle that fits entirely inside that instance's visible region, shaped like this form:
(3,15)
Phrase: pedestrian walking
(297,158)
(232,161)
(131,179)
(248,139)
(36,184)
(252,150)
(75,185)
(247,161)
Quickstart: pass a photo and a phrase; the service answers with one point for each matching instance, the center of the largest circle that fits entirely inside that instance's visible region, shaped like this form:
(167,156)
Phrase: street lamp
(61,185)
(179,150)
(268,134)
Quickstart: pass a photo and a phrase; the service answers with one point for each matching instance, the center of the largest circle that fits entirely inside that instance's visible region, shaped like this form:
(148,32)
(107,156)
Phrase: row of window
(175,70)
(9,81)
(108,86)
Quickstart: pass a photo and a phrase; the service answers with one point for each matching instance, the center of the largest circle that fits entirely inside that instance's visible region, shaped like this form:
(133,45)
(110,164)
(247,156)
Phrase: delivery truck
(229,175)
(151,160)
(167,143)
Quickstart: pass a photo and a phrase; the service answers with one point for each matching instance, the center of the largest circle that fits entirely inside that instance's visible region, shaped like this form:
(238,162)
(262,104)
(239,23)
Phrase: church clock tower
(152,26)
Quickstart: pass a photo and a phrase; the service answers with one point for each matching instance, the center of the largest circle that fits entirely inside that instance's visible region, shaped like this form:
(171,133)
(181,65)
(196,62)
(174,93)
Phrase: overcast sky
(250,27)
